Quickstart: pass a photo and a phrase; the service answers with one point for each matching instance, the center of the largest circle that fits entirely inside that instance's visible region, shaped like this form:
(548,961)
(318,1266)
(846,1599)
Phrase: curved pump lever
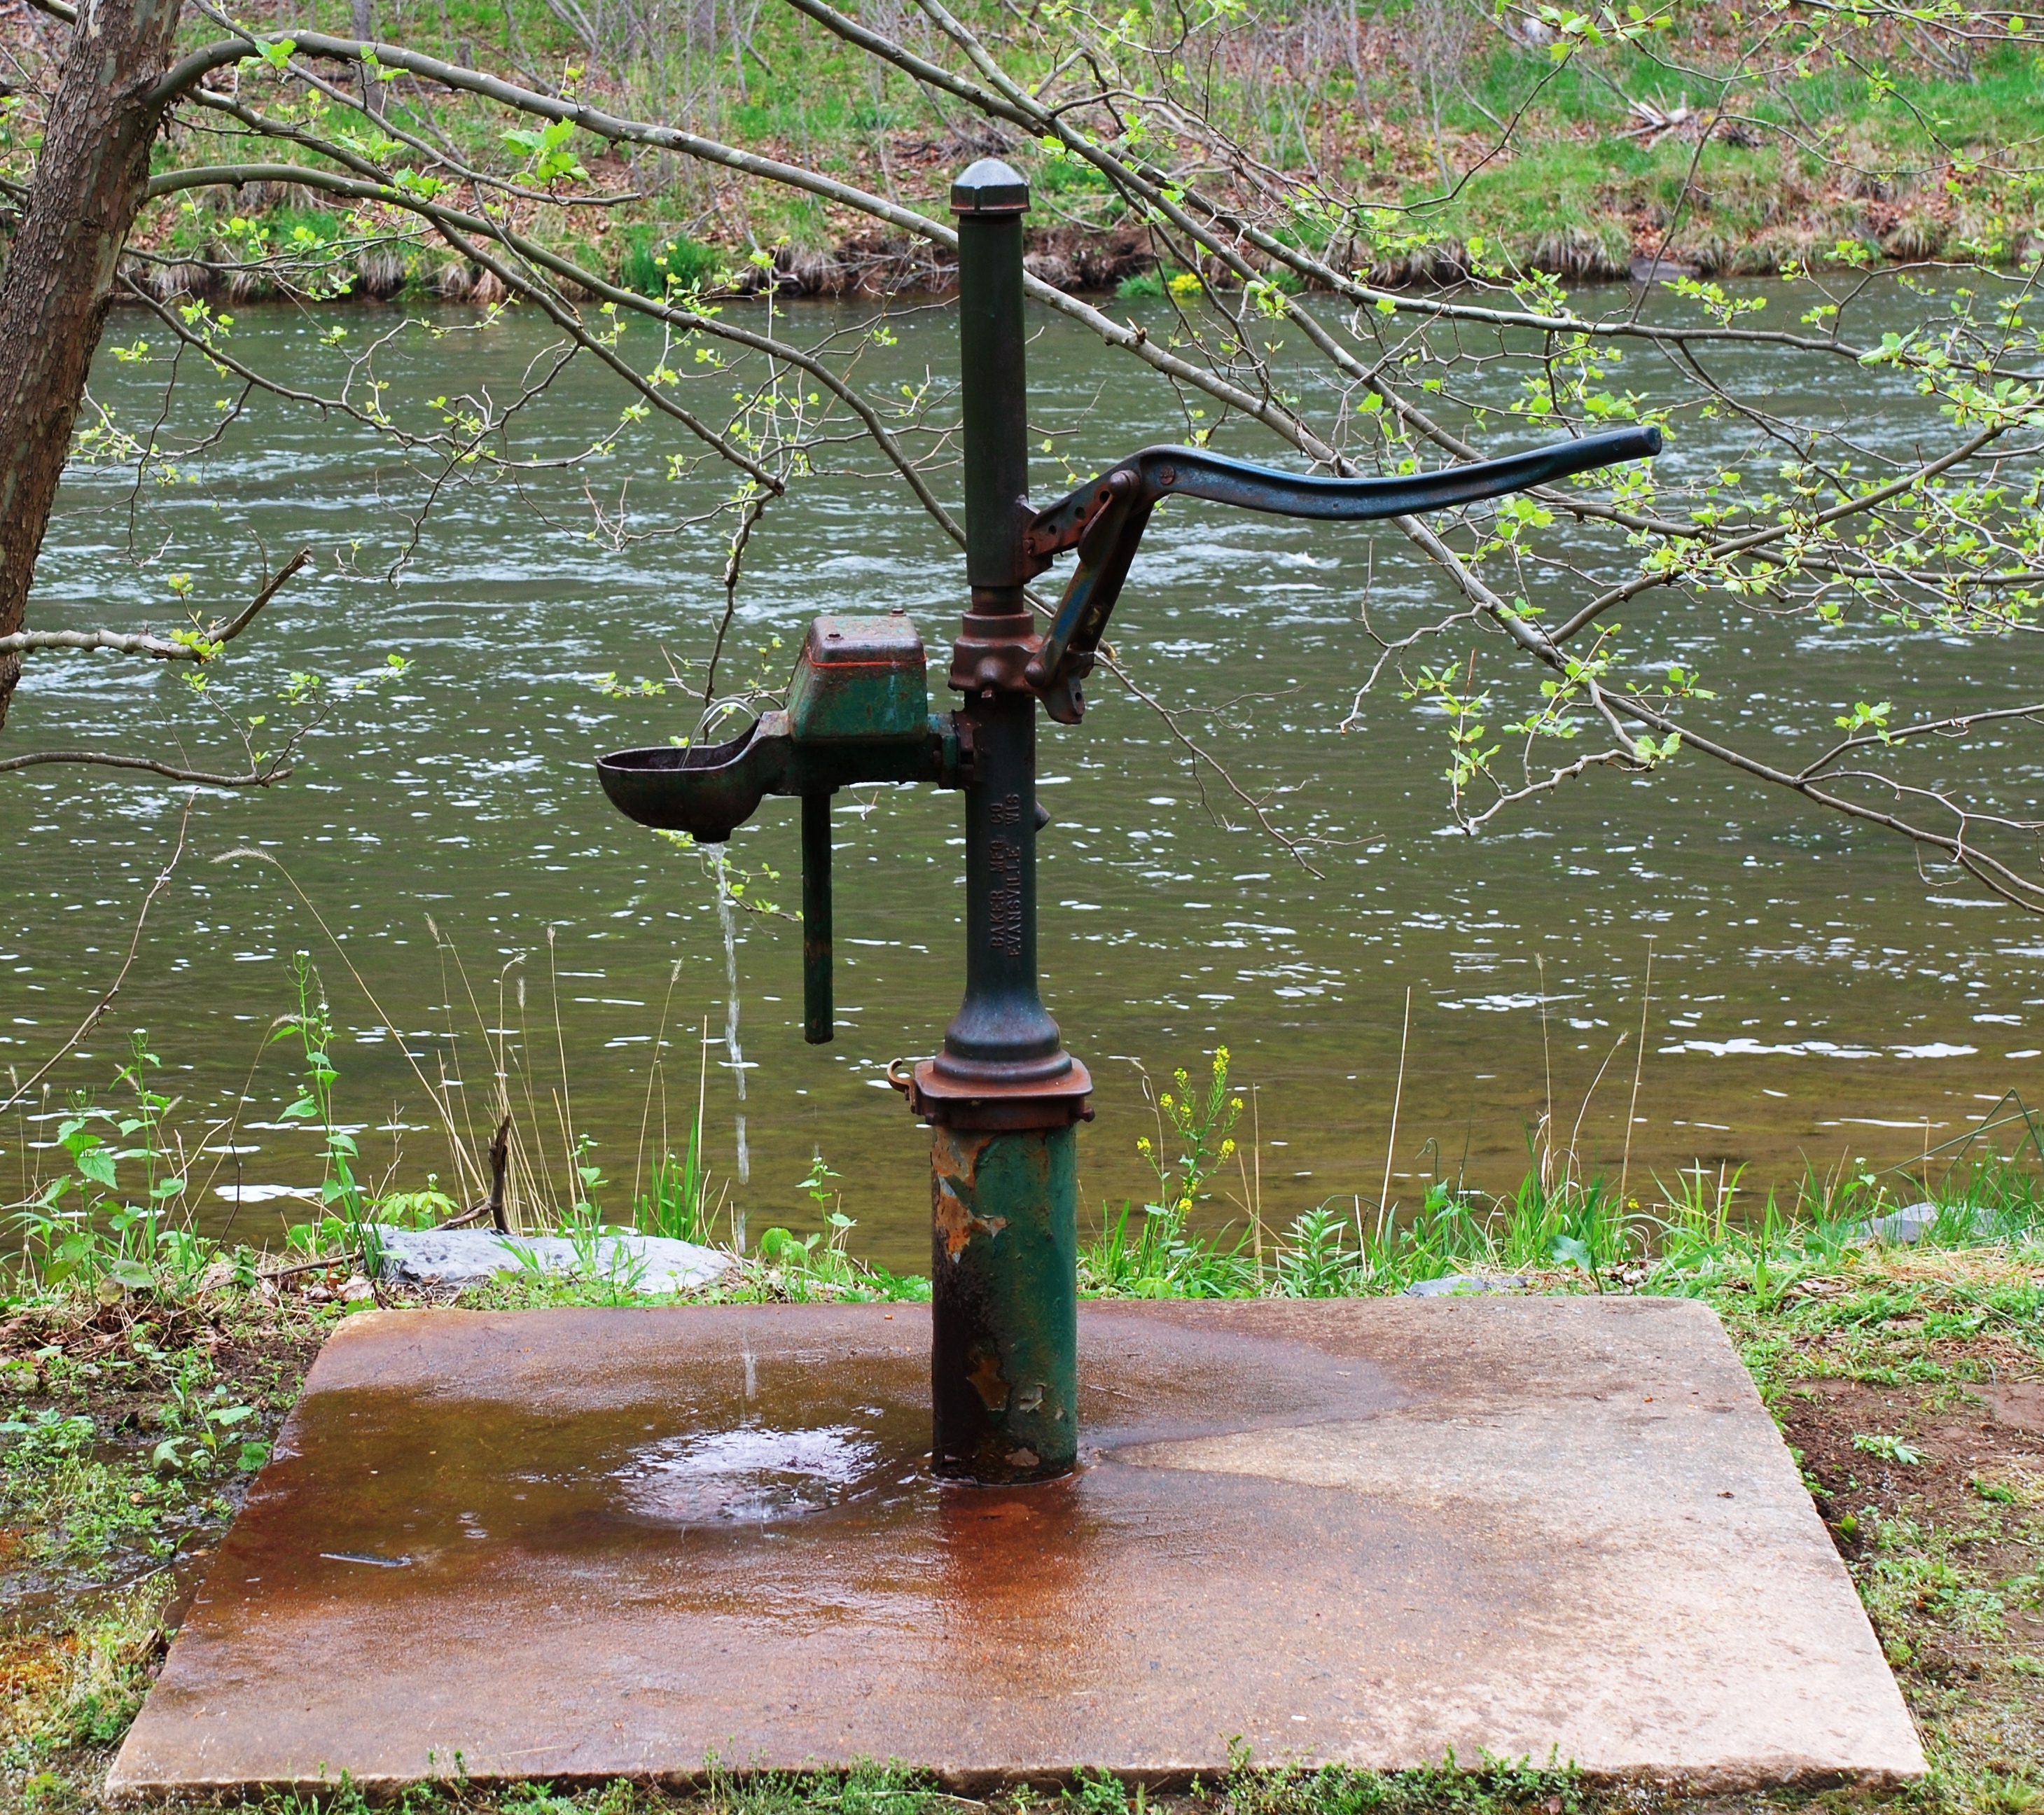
(1104,521)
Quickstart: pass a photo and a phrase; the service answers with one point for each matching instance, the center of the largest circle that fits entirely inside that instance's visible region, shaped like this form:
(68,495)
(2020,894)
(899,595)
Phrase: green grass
(652,259)
(94,1222)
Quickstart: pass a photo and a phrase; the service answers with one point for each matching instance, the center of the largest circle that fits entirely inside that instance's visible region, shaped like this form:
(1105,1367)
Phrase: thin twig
(493,1205)
(325,1265)
(106,1002)
(1397,1097)
(1638,1060)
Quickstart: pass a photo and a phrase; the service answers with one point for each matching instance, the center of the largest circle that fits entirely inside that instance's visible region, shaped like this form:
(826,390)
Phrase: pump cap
(990,187)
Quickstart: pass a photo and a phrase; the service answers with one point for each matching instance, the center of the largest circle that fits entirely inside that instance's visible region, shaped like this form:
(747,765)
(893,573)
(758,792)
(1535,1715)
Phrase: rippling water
(1812,997)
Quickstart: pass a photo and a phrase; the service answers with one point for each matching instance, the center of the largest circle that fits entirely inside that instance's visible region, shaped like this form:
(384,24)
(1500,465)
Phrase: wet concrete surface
(578,1544)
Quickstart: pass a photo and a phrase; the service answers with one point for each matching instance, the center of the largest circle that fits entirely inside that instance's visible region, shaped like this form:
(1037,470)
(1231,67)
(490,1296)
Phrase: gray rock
(1464,1285)
(469,1256)
(1909,1224)
(1660,270)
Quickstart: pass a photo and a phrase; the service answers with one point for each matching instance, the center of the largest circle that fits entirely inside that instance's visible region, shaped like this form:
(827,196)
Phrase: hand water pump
(1003,1096)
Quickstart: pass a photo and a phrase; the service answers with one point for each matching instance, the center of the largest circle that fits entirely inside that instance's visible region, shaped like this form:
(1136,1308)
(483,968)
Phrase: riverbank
(1582,207)
(1907,1375)
(1442,160)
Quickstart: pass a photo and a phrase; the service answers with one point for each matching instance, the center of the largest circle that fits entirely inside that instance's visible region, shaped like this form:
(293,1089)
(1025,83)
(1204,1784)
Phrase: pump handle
(1104,520)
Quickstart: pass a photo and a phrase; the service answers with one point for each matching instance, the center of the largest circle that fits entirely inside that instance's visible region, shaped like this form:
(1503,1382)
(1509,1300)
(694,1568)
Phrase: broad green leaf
(97,1164)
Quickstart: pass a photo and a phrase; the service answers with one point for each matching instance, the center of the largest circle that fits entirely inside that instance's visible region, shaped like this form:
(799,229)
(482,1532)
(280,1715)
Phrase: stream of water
(1814,999)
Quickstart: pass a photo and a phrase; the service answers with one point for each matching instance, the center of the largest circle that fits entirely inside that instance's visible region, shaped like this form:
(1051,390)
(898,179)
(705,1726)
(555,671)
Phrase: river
(1814,1001)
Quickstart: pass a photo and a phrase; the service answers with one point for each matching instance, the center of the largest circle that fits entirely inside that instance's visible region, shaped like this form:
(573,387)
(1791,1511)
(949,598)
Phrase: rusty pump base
(1003,1096)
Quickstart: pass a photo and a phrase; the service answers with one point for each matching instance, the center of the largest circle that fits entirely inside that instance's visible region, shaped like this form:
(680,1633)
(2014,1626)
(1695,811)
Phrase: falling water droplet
(734,1053)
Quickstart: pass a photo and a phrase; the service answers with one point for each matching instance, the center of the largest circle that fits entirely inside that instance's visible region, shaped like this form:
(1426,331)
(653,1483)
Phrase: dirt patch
(1935,1499)
(87,1359)
(1962,1439)
(137,1426)
(2021,1408)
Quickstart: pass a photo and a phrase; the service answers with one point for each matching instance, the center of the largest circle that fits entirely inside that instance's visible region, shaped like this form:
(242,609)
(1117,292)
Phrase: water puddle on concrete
(688,1455)
(461,1487)
(753,1475)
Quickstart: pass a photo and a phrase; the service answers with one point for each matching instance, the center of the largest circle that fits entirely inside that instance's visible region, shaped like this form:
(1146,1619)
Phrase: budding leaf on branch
(547,146)
(1864,717)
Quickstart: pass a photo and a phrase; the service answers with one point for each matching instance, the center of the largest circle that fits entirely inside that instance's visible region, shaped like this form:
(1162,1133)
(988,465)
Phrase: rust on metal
(994,646)
(988,1382)
(1362,1532)
(1003,1303)
(997,1103)
(859,679)
(954,1159)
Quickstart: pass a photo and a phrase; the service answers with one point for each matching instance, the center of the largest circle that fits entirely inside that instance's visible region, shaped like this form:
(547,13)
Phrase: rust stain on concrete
(1361,1532)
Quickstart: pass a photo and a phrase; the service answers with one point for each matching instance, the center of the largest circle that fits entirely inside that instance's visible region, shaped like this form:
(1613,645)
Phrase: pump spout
(708,790)
(857,711)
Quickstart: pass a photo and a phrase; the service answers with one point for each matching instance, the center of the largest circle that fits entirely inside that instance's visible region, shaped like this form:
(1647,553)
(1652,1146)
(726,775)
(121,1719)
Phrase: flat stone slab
(1462,1285)
(469,1256)
(581,1544)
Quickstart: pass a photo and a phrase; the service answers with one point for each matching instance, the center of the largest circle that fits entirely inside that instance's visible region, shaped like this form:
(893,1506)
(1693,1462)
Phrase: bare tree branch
(204,645)
(261,777)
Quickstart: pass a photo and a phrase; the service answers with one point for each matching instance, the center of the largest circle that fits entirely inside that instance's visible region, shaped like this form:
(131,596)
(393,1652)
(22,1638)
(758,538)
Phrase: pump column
(1003,1095)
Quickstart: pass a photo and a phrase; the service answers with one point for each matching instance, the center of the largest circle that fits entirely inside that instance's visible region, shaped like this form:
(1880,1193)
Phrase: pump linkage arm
(1104,519)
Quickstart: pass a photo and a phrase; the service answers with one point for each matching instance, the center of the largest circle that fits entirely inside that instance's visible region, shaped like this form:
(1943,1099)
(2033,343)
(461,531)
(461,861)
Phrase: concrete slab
(577,1544)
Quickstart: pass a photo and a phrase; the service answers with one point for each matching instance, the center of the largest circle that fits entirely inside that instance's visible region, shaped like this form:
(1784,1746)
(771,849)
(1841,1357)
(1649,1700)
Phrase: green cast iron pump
(1003,1096)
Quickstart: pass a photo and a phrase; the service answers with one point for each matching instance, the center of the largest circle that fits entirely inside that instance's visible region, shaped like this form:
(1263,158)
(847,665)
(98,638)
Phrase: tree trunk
(362,13)
(91,177)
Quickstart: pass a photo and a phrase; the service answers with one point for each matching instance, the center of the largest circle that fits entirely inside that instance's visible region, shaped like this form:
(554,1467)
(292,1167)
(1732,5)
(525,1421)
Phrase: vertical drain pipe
(819,1011)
